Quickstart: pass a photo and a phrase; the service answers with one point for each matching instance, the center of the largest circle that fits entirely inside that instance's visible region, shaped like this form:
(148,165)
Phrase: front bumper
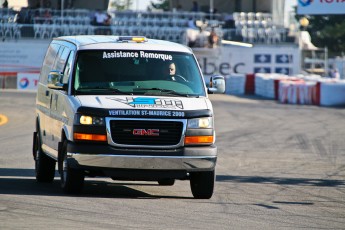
(103,156)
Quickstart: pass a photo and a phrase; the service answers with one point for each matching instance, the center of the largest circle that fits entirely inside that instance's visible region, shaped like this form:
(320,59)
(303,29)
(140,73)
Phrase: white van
(129,108)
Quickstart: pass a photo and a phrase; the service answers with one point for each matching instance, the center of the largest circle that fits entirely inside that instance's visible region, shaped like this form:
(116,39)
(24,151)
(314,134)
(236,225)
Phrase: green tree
(161,5)
(120,4)
(327,31)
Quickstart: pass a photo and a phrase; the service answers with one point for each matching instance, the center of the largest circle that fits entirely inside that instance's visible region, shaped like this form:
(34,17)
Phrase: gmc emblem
(146,132)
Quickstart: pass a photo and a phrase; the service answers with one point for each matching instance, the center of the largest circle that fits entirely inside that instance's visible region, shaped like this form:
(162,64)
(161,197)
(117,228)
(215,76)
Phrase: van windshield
(137,73)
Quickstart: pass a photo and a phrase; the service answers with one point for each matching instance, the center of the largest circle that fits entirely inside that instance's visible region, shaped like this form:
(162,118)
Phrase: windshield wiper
(111,90)
(167,91)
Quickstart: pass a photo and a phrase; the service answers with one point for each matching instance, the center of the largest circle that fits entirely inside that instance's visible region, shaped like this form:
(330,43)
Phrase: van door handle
(47,93)
(51,99)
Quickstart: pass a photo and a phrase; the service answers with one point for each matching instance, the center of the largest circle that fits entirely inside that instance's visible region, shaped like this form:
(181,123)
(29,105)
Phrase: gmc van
(129,108)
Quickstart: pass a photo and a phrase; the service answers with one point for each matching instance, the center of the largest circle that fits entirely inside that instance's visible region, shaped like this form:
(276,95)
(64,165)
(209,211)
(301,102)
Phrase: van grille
(139,132)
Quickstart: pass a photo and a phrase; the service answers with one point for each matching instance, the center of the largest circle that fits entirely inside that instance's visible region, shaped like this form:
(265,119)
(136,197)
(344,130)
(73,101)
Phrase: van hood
(143,102)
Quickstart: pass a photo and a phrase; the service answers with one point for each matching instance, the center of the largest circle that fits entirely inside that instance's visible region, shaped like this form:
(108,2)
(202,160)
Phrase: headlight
(200,123)
(85,120)
(89,128)
(89,120)
(200,131)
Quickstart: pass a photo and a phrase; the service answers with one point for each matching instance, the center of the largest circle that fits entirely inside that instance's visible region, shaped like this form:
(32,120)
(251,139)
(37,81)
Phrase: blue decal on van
(143,101)
(150,102)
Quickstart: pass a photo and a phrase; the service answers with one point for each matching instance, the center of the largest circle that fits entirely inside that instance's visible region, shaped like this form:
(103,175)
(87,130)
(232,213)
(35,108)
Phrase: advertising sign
(27,81)
(258,59)
(18,57)
(321,7)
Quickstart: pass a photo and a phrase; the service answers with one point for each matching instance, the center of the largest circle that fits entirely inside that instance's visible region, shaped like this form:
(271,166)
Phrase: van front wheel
(202,184)
(72,180)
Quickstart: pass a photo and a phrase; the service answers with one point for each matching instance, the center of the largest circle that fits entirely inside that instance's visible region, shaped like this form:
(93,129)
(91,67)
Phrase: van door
(53,131)
(60,105)
(43,93)
(49,96)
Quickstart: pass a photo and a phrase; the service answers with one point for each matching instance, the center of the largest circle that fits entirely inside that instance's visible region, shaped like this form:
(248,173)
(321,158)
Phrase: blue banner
(321,7)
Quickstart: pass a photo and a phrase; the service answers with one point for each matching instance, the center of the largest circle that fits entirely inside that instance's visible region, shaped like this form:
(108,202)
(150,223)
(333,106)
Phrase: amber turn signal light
(198,140)
(89,137)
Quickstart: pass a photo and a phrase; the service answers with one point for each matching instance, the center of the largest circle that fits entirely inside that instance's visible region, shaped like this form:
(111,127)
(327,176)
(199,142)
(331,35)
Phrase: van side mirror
(217,84)
(55,80)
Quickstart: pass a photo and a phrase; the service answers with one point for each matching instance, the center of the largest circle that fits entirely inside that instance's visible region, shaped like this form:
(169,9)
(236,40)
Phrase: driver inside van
(172,73)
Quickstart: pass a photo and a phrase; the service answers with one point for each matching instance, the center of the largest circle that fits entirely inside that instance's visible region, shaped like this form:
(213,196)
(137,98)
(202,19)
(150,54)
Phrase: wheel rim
(37,158)
(64,171)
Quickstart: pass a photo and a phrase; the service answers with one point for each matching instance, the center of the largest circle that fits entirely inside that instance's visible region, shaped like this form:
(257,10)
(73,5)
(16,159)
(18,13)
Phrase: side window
(61,59)
(48,62)
(68,68)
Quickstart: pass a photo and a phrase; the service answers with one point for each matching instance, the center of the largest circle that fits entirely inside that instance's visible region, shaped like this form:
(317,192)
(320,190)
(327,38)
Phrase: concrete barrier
(332,93)
(235,84)
(304,90)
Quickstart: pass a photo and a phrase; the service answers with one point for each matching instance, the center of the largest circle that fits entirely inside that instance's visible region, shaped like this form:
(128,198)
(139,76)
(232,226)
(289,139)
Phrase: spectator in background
(47,17)
(195,7)
(107,21)
(335,74)
(5,4)
(37,18)
(42,18)
(102,19)
(229,21)
(202,39)
(213,39)
(191,24)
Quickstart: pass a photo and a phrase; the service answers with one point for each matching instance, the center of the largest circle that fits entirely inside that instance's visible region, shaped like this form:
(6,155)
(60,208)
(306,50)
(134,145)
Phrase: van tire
(72,180)
(44,165)
(202,184)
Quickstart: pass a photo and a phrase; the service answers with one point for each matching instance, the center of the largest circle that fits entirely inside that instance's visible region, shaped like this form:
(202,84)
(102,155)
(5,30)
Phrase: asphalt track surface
(279,167)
